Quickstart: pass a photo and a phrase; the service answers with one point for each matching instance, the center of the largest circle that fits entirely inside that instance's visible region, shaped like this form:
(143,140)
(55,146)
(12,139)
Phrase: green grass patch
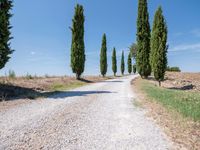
(64,87)
(186,103)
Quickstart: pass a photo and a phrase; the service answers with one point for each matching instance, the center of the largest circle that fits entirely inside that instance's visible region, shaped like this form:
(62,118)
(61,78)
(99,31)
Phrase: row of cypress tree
(78,48)
(151,45)
(103,60)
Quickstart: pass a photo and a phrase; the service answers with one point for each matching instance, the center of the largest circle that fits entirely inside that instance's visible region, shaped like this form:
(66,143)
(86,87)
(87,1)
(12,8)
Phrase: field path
(98,116)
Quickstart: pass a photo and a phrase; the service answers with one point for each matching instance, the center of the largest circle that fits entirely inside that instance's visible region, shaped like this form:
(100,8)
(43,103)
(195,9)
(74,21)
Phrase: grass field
(186,103)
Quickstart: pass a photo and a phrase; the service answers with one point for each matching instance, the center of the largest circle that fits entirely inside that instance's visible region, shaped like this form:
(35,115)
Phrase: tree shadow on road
(114,81)
(11,93)
(65,94)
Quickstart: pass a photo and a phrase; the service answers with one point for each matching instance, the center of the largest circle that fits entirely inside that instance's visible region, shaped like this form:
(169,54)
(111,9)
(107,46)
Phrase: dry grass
(23,87)
(183,131)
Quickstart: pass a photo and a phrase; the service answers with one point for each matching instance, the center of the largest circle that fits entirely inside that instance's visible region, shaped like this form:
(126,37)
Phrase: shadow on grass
(85,80)
(183,88)
(11,92)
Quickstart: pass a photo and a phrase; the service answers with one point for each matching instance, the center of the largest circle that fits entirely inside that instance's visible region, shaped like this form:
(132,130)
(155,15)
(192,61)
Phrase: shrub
(11,74)
(173,69)
(28,76)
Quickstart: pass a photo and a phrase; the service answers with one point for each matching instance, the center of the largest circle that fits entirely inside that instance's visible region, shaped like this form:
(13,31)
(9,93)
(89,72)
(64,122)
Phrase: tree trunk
(78,77)
(159,83)
(145,77)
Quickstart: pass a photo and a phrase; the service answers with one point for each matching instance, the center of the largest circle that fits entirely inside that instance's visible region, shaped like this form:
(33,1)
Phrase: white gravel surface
(99,116)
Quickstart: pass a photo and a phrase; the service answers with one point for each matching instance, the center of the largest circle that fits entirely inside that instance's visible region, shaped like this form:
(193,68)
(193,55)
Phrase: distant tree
(5,34)
(159,46)
(143,40)
(122,63)
(129,63)
(103,56)
(133,50)
(173,69)
(114,62)
(134,69)
(78,46)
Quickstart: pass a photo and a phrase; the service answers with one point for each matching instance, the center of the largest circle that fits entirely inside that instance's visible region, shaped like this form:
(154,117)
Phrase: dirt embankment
(182,81)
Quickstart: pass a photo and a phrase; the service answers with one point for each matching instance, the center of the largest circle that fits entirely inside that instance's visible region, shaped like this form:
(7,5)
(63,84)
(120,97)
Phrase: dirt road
(98,116)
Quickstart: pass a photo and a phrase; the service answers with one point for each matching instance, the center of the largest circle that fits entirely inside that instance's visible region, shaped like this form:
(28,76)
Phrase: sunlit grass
(64,87)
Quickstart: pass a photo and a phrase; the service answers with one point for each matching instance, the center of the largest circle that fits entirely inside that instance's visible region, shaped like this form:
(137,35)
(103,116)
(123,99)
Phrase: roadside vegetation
(175,110)
(186,103)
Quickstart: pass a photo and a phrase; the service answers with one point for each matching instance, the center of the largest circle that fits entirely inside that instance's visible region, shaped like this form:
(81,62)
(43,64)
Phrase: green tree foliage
(133,50)
(143,40)
(158,46)
(134,69)
(78,46)
(114,62)
(173,69)
(129,62)
(122,63)
(5,34)
(103,56)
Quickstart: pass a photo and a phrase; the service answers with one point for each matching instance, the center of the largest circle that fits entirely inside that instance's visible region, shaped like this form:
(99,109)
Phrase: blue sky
(42,38)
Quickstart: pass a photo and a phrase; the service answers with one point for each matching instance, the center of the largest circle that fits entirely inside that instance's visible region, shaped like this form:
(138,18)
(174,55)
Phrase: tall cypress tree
(134,69)
(5,34)
(78,46)
(122,63)
(129,62)
(103,56)
(143,40)
(158,46)
(114,62)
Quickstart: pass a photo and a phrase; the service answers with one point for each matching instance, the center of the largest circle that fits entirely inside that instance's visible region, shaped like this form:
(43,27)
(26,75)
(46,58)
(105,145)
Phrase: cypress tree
(103,56)
(134,69)
(129,64)
(122,63)
(158,46)
(114,62)
(5,34)
(78,46)
(143,40)
(133,50)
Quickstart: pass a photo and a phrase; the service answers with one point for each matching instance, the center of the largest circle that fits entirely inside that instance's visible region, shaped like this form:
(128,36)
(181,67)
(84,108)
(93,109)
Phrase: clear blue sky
(42,38)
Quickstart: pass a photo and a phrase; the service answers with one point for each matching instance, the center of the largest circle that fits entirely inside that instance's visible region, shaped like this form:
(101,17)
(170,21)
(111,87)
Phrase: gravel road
(99,116)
